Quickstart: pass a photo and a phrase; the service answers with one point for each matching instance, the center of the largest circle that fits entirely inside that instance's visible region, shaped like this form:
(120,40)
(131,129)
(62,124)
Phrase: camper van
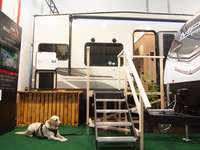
(106,34)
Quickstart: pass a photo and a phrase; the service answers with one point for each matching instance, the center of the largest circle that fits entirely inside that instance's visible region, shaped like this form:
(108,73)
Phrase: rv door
(165,39)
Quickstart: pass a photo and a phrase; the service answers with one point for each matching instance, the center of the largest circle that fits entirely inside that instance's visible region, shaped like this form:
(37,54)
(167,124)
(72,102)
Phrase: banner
(10,41)
(10,33)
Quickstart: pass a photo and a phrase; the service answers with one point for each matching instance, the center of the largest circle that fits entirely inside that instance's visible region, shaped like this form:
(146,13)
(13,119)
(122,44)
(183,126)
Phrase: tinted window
(167,41)
(60,49)
(103,54)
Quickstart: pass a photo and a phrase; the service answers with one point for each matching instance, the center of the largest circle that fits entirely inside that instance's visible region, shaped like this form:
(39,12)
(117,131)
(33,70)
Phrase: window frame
(55,50)
(103,53)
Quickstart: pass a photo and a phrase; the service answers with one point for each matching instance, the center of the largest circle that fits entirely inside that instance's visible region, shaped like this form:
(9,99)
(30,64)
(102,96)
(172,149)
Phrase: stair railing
(143,100)
(128,61)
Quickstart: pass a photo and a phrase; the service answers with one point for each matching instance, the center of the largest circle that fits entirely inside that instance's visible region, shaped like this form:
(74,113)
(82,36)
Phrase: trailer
(106,34)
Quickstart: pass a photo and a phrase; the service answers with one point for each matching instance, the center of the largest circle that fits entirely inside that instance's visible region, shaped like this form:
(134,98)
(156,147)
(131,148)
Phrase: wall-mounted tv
(8,58)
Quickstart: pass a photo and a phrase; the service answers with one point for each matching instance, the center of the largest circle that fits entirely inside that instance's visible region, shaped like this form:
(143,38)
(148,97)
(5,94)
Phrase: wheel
(164,128)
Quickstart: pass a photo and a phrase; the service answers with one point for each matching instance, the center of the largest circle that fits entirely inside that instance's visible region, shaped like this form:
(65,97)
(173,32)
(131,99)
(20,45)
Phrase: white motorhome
(106,34)
(183,64)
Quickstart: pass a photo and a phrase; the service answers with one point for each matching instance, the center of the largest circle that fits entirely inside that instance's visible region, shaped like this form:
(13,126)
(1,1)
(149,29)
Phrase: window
(167,41)
(60,49)
(103,54)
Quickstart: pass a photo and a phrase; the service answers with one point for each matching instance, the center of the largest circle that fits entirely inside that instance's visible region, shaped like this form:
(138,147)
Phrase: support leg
(186,134)
(96,148)
(134,144)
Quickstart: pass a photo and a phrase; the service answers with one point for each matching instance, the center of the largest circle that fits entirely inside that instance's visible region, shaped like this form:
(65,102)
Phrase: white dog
(47,130)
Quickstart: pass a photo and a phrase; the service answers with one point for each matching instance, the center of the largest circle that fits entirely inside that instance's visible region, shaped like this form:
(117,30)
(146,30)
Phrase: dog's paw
(64,140)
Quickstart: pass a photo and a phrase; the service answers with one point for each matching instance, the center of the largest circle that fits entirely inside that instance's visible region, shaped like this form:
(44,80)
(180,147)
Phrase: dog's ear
(50,122)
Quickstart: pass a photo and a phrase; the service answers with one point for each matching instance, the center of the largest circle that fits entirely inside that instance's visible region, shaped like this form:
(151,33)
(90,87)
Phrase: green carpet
(9,141)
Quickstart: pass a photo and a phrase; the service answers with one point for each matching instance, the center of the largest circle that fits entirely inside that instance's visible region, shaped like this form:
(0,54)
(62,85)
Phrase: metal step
(104,92)
(111,111)
(110,100)
(114,124)
(117,139)
(110,96)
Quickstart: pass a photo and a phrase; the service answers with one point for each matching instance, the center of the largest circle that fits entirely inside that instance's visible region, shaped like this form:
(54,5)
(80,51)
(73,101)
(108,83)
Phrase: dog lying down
(47,130)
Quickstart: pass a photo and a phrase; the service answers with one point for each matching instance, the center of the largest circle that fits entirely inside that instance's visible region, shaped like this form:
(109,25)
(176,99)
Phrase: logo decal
(14,34)
(191,31)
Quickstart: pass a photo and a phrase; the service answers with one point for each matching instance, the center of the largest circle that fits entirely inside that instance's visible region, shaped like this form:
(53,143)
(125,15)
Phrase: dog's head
(54,122)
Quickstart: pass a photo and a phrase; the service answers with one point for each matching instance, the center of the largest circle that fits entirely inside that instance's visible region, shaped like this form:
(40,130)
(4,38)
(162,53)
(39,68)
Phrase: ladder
(112,97)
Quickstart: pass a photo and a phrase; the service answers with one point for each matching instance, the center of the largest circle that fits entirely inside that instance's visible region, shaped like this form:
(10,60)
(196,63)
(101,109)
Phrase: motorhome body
(182,66)
(106,34)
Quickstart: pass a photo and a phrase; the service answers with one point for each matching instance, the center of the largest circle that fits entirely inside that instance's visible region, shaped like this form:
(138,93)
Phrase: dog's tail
(20,132)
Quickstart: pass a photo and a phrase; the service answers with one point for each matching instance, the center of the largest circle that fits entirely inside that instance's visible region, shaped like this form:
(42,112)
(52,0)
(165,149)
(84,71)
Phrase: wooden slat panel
(54,104)
(42,108)
(29,109)
(50,106)
(77,110)
(46,107)
(38,108)
(25,109)
(69,112)
(58,105)
(34,109)
(65,109)
(61,107)
(20,109)
(73,109)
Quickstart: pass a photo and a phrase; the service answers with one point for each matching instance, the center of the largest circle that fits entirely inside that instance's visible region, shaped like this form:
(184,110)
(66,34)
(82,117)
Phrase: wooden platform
(39,106)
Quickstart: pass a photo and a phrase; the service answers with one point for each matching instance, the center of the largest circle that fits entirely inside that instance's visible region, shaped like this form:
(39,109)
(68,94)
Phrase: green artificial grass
(9,141)
(171,142)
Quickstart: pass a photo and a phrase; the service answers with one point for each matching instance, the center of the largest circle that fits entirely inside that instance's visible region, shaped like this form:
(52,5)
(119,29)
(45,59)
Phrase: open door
(144,45)
(150,43)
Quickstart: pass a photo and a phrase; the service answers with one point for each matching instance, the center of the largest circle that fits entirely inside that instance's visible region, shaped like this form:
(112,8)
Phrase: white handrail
(133,90)
(138,81)
(142,94)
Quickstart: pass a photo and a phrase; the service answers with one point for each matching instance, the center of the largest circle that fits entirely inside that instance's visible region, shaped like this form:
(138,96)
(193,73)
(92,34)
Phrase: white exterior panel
(55,30)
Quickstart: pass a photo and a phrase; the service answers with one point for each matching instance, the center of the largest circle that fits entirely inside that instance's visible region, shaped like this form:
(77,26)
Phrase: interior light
(104,25)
